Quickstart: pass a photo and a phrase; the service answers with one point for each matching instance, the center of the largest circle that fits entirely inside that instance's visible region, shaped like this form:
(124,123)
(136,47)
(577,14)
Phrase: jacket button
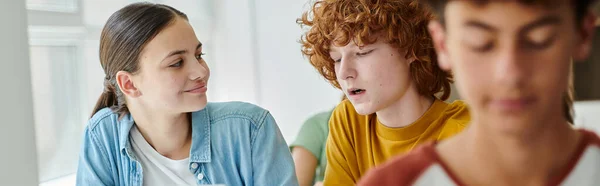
(200,176)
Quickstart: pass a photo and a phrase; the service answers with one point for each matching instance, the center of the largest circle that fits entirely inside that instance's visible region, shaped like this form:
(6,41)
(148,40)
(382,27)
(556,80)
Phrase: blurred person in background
(308,150)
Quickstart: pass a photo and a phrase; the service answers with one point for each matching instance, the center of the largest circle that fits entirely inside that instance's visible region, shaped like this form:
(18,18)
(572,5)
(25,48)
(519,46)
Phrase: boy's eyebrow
(544,21)
(481,25)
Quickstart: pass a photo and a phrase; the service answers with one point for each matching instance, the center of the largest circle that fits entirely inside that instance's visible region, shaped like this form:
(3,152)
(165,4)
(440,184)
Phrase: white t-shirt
(157,169)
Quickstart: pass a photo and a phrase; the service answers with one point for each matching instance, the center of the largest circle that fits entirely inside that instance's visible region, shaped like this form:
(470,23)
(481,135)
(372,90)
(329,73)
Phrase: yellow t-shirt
(357,143)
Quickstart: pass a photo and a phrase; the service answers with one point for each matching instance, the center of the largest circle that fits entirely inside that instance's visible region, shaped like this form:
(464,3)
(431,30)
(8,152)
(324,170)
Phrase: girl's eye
(178,64)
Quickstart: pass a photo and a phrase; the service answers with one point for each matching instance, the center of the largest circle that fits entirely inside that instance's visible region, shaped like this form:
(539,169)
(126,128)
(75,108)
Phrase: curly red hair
(402,23)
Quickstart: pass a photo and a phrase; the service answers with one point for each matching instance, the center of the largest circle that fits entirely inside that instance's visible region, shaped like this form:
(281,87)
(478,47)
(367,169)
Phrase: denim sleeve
(272,161)
(93,168)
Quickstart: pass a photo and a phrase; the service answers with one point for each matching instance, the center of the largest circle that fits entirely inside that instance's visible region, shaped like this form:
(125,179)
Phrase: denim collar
(200,149)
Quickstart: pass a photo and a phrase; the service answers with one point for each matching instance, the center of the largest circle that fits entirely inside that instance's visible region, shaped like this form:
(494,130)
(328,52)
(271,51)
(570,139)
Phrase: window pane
(56,97)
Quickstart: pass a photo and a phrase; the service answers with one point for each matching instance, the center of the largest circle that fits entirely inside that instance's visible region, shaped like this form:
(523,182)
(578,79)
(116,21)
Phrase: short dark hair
(580,7)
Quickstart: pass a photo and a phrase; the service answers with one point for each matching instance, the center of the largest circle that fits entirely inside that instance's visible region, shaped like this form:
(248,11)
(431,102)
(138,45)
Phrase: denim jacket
(233,143)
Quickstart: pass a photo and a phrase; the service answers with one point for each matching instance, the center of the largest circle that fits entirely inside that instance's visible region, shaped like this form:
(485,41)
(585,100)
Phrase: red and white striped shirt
(423,167)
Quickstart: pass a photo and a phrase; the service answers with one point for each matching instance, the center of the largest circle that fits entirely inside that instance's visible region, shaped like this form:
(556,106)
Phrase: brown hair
(580,9)
(125,34)
(402,23)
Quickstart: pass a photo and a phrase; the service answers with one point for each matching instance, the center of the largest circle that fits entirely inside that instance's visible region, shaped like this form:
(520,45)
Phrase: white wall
(18,159)
(289,86)
(233,70)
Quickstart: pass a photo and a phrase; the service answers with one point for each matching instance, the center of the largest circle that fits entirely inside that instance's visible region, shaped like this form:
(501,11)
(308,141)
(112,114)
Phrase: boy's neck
(406,110)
